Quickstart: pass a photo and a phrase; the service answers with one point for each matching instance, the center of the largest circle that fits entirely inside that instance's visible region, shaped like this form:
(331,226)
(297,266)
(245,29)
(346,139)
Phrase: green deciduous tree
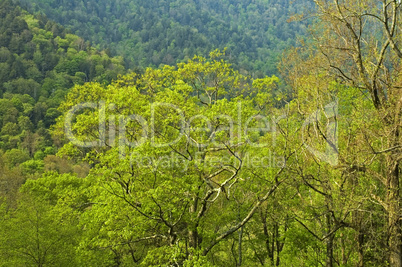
(356,46)
(174,161)
(38,232)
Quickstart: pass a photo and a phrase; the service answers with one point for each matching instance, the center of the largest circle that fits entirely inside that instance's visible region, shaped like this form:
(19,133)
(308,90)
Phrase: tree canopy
(198,163)
(166,32)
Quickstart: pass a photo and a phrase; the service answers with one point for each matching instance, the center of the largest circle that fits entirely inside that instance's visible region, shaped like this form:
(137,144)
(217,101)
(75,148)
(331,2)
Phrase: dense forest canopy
(154,32)
(200,160)
(39,62)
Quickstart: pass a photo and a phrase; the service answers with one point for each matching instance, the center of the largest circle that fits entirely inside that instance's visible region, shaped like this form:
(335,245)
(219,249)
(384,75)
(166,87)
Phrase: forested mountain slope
(39,62)
(154,32)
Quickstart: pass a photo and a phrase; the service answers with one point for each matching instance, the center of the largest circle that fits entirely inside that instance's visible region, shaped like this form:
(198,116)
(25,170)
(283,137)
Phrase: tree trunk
(330,244)
(278,245)
(193,233)
(394,225)
(240,247)
(330,251)
(360,248)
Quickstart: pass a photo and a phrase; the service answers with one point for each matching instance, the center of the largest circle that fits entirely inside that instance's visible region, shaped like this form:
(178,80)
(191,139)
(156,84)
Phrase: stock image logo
(237,131)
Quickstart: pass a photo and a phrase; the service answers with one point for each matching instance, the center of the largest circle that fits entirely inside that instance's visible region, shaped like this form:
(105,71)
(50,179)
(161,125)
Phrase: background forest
(200,133)
(149,33)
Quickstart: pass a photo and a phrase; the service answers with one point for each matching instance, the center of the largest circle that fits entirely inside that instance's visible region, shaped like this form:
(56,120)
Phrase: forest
(150,33)
(200,133)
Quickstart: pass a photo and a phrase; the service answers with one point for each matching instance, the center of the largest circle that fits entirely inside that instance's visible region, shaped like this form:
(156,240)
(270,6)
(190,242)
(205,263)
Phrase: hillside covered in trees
(166,32)
(192,160)
(39,62)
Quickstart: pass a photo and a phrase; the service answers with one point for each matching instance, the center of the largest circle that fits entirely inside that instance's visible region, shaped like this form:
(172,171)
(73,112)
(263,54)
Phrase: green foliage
(40,62)
(15,157)
(134,174)
(38,232)
(167,32)
(193,164)
(32,166)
